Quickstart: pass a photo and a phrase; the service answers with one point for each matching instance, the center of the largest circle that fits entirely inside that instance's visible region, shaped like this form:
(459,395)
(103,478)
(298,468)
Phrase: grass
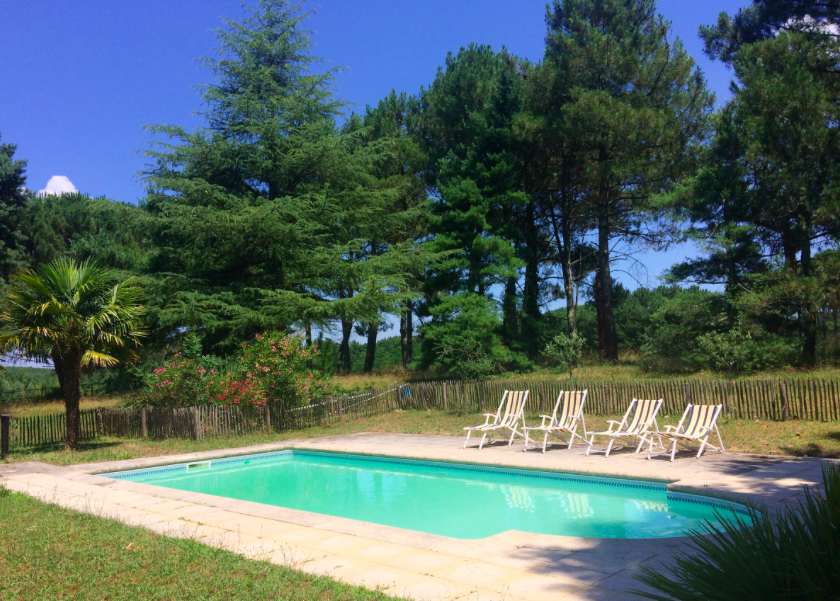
(52,407)
(797,438)
(631,367)
(51,553)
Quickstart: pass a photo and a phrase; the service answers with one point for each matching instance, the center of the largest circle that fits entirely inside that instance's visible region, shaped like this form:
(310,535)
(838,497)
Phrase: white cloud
(808,23)
(58,184)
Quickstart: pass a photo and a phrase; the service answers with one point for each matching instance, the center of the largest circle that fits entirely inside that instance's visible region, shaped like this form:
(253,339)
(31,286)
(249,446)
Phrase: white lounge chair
(513,403)
(701,422)
(566,421)
(635,424)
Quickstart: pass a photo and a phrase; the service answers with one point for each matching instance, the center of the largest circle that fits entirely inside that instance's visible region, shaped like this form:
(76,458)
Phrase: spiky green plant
(75,315)
(791,554)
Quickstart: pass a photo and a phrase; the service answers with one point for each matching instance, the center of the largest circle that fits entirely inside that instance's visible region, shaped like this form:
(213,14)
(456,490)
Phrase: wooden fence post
(144,428)
(397,394)
(196,423)
(267,417)
(445,400)
(340,407)
(607,404)
(687,393)
(5,434)
(783,396)
(100,428)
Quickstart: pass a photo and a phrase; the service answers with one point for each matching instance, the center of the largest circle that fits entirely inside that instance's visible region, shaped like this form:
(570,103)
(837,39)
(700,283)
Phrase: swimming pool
(450,499)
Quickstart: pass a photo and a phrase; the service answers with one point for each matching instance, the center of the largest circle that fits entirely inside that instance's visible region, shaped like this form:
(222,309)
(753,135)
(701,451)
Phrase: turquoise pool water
(456,500)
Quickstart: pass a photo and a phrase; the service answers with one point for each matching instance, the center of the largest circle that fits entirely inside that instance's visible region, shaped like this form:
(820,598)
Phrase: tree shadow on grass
(813,449)
(55,447)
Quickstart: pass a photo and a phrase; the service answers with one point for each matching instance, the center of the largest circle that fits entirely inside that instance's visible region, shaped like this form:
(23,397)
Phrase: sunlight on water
(450,500)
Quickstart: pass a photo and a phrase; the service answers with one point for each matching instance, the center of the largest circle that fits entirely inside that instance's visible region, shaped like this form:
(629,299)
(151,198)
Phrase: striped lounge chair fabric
(636,423)
(696,425)
(570,407)
(509,416)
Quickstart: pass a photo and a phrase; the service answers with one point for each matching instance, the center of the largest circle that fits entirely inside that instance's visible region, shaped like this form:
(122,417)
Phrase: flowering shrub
(233,390)
(181,382)
(279,364)
(273,367)
(184,382)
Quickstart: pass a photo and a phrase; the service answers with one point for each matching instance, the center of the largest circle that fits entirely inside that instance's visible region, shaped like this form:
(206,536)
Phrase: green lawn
(796,438)
(51,553)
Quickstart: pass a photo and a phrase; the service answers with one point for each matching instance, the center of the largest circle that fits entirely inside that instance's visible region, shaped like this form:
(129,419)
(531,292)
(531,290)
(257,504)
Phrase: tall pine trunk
(531,286)
(510,317)
(344,348)
(809,314)
(610,350)
(563,241)
(597,291)
(568,277)
(407,335)
(370,351)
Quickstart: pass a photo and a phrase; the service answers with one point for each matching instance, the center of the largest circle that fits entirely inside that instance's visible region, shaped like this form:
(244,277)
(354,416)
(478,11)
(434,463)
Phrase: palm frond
(64,306)
(791,554)
(98,359)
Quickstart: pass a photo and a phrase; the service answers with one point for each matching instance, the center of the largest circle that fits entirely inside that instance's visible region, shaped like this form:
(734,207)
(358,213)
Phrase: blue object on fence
(406,391)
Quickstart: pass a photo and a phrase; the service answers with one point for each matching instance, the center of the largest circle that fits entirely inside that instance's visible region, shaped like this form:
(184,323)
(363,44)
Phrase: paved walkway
(511,565)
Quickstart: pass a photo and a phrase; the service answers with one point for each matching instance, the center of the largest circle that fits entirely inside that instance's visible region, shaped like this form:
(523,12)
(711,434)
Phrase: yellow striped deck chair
(566,421)
(697,424)
(635,424)
(510,414)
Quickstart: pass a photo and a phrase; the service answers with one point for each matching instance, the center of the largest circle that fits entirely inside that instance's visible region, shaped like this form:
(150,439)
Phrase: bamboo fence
(809,399)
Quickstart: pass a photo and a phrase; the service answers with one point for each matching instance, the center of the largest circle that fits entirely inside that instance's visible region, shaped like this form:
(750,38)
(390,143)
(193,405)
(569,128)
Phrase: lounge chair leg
(545,441)
(468,438)
(481,444)
(702,446)
(639,448)
(674,450)
(609,446)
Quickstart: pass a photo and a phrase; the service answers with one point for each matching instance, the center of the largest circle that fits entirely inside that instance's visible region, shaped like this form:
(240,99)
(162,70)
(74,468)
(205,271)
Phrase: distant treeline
(22,383)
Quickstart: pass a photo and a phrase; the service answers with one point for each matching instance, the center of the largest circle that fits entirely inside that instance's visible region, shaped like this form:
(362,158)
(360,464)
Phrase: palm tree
(77,315)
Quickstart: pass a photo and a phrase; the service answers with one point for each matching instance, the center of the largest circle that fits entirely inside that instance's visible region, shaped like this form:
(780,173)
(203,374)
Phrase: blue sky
(80,79)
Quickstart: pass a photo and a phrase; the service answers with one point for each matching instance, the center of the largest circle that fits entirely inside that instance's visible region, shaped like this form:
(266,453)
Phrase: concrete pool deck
(511,565)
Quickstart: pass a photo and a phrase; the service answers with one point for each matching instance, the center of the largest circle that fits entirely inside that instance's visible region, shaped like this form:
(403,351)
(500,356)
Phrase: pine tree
(13,199)
(769,184)
(466,121)
(763,20)
(264,214)
(637,105)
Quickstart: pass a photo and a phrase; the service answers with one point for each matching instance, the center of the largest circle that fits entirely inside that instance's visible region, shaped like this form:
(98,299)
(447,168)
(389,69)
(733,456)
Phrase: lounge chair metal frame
(702,421)
(508,420)
(567,422)
(638,426)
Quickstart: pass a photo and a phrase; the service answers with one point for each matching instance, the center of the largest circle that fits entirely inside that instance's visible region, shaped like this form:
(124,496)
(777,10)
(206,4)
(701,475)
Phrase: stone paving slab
(514,566)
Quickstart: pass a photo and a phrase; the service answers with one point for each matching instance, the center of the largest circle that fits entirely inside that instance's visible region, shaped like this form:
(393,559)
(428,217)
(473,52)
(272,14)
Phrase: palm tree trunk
(69,372)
